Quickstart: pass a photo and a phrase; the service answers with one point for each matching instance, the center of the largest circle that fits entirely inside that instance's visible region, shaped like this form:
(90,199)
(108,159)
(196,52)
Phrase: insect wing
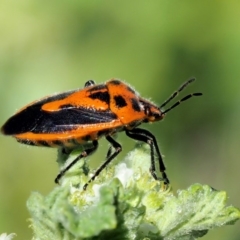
(60,113)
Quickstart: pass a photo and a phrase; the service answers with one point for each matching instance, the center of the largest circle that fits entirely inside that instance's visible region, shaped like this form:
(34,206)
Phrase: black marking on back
(25,120)
(102,96)
(130,90)
(135,105)
(115,82)
(120,101)
(97,88)
(34,119)
(58,96)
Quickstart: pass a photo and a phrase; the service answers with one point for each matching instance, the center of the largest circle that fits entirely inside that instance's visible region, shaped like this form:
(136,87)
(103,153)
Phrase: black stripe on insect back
(120,101)
(97,88)
(135,105)
(102,96)
(25,120)
(115,82)
(130,90)
(34,119)
(58,96)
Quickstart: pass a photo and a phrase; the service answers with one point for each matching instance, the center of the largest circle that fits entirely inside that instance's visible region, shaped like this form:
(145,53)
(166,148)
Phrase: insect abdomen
(43,143)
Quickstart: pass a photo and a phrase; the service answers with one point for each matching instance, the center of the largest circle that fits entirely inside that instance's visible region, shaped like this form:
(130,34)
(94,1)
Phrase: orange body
(76,117)
(79,116)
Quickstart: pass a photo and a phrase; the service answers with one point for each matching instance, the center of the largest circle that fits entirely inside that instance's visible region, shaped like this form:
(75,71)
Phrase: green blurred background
(54,46)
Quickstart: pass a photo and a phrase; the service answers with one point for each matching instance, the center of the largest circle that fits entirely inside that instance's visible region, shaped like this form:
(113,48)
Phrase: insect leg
(109,152)
(85,153)
(89,83)
(147,137)
(110,157)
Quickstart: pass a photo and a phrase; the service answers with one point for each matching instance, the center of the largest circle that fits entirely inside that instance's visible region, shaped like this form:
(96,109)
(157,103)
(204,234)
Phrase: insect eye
(151,114)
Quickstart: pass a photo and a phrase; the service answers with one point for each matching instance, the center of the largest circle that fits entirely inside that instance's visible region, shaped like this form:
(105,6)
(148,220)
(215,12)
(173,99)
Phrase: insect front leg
(85,153)
(147,137)
(110,157)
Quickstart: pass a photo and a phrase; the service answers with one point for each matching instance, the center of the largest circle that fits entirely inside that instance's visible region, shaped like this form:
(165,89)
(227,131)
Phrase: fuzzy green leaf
(125,202)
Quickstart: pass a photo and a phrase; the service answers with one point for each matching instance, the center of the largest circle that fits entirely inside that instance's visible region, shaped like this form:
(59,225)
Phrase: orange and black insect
(73,118)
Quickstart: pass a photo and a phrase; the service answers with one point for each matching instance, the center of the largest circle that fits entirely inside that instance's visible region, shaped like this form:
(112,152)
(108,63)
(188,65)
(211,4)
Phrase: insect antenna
(176,94)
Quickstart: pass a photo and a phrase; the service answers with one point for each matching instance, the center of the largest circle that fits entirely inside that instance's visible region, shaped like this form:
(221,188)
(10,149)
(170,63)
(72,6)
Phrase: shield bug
(81,116)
